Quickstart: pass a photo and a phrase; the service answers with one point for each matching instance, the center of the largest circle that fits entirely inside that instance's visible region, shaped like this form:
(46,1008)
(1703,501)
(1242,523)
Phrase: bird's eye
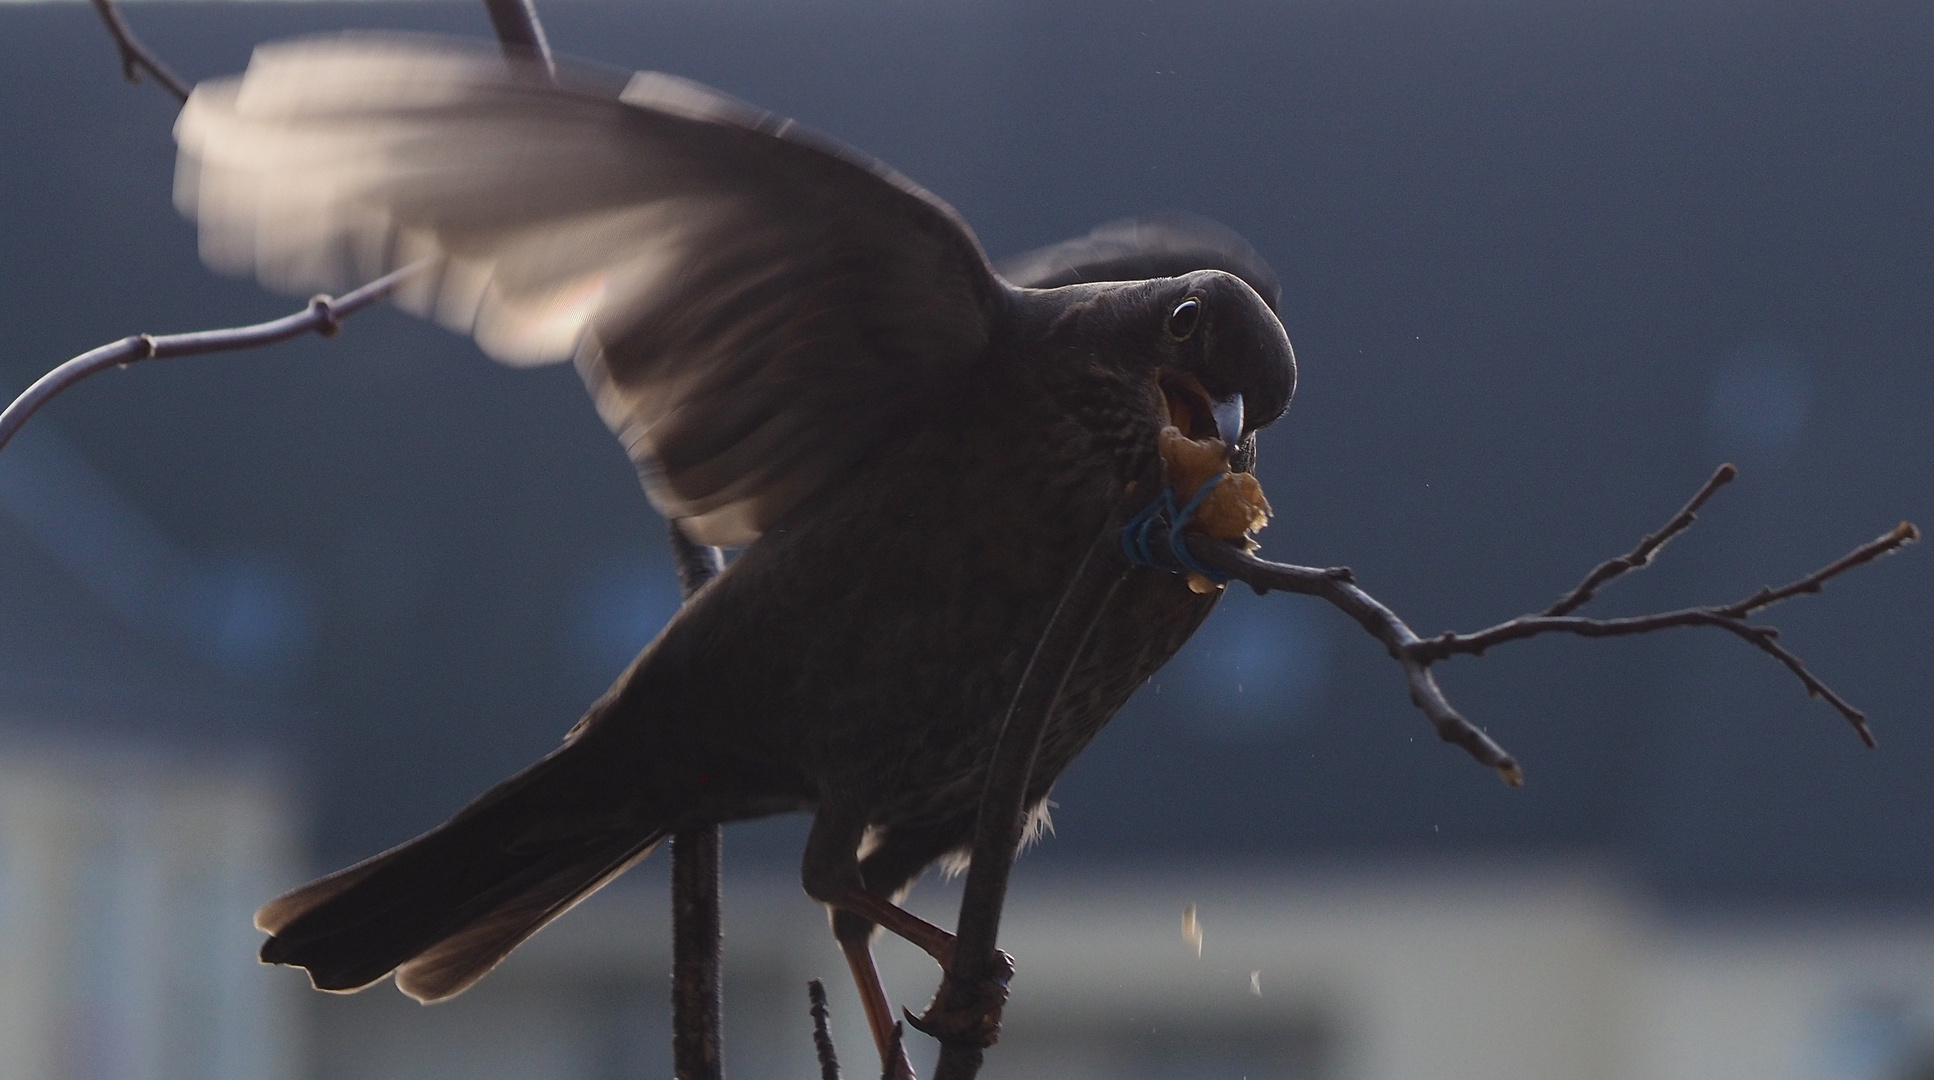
(1181,321)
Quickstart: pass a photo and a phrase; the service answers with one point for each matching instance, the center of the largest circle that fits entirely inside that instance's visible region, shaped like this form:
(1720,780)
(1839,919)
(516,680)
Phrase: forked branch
(1417,654)
(135,57)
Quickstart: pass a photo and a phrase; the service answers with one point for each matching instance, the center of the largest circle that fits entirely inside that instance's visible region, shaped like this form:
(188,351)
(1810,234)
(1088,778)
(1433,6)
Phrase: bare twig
(1336,585)
(965,1013)
(895,1053)
(135,57)
(1728,617)
(698,1045)
(1524,626)
(1418,654)
(1898,537)
(822,1038)
(324,316)
(1648,547)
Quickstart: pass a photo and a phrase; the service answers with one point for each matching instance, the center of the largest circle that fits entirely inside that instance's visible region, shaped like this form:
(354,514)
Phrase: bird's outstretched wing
(751,305)
(1132,249)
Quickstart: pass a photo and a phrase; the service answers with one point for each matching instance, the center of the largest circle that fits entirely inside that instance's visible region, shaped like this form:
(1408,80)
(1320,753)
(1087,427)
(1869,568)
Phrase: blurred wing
(1134,249)
(752,306)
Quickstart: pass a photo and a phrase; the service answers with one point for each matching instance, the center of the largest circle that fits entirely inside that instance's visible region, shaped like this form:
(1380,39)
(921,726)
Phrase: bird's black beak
(1228,419)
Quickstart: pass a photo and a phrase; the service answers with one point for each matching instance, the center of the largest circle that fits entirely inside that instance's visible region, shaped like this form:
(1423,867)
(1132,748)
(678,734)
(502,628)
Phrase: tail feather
(446,907)
(451,965)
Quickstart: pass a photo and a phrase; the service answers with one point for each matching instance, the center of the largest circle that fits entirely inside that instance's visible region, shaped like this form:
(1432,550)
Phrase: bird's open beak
(1228,419)
(1196,414)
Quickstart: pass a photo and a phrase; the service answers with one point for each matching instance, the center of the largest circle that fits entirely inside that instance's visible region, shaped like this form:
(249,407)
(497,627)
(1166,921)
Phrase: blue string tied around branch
(1137,534)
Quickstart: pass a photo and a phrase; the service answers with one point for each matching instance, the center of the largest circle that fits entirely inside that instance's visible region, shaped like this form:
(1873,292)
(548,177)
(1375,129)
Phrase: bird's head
(1224,364)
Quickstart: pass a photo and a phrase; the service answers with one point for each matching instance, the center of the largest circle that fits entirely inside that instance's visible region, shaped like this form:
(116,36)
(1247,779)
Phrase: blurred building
(126,884)
(1453,971)
(146,807)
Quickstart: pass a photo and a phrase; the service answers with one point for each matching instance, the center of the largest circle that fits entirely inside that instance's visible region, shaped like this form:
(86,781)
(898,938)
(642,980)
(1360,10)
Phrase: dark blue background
(1545,265)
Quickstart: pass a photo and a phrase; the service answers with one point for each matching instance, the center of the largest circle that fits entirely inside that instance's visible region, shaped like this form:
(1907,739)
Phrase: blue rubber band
(1179,547)
(1135,533)
(1135,538)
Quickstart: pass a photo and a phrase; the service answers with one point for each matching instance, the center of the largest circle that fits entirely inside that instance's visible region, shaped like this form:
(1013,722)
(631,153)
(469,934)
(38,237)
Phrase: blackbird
(807,357)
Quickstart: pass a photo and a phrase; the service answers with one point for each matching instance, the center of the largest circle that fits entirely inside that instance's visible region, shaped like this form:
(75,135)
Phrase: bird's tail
(446,907)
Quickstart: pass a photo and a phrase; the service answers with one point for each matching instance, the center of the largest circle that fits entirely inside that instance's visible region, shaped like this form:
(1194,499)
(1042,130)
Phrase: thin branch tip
(1723,475)
(1648,547)
(822,1036)
(1417,654)
(895,1053)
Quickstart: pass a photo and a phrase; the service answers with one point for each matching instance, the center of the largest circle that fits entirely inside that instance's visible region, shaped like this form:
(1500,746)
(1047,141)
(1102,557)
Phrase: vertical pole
(697,1045)
(697,1053)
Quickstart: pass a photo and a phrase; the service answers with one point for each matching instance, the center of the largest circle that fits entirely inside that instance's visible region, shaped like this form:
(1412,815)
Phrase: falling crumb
(1255,982)
(1192,929)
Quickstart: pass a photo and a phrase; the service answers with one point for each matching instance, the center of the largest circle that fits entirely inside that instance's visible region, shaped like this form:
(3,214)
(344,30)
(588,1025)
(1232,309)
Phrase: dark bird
(807,356)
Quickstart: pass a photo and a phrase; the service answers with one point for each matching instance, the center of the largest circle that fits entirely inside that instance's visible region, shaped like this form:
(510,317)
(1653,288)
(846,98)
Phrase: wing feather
(751,305)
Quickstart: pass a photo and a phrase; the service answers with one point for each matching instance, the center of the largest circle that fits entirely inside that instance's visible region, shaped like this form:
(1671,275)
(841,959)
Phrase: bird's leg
(831,875)
(834,875)
(856,941)
(981,1019)
(895,919)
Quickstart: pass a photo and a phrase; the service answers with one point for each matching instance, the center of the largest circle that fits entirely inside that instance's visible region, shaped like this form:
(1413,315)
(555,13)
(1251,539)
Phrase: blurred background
(1545,266)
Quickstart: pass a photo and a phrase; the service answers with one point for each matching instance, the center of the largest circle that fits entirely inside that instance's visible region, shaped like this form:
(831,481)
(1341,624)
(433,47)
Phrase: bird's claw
(967,1012)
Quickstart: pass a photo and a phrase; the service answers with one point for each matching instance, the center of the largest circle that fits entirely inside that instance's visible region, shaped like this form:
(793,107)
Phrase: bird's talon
(971,1018)
(967,1012)
(919,1024)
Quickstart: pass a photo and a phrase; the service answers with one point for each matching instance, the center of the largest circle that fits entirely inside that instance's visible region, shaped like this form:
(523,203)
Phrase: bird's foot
(963,1012)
